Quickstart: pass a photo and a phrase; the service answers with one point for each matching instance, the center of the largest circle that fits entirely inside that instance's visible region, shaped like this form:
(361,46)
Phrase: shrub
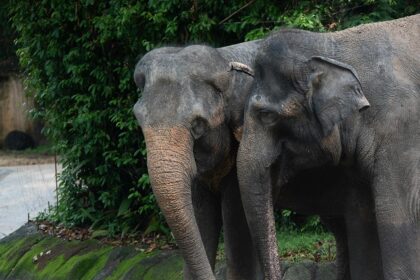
(8,59)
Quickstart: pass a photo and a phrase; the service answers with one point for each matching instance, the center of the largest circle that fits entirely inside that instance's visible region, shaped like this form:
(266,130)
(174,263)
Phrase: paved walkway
(24,189)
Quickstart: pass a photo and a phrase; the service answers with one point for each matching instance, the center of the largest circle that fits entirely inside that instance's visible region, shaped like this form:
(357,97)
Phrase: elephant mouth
(216,175)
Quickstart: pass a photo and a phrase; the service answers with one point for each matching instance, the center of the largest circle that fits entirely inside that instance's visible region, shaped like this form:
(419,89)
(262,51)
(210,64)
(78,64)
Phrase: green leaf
(124,207)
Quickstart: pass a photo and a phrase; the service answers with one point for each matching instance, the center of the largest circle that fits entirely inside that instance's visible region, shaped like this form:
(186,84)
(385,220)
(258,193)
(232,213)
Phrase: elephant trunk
(257,197)
(172,168)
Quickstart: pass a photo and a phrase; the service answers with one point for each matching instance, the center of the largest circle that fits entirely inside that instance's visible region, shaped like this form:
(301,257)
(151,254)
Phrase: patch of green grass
(295,245)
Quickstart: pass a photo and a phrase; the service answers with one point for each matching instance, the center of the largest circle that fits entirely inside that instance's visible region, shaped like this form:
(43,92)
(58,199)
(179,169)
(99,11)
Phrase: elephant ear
(335,92)
(232,83)
(224,79)
(139,78)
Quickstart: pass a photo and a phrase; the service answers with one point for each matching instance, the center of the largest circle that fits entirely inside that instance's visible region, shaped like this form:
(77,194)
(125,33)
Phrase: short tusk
(241,67)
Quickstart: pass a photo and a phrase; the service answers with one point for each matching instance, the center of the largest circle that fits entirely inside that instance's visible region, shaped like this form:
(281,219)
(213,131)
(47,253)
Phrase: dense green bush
(8,59)
(78,58)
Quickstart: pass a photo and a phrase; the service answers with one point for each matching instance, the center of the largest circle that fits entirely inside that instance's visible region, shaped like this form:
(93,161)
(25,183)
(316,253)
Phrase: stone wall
(26,254)
(14,108)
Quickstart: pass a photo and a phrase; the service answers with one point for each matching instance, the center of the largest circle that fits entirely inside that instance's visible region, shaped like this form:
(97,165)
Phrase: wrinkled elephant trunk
(257,198)
(172,168)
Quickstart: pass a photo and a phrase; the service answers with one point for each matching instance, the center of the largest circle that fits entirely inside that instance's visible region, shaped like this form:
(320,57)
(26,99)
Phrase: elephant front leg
(207,211)
(241,256)
(396,191)
(338,227)
(362,235)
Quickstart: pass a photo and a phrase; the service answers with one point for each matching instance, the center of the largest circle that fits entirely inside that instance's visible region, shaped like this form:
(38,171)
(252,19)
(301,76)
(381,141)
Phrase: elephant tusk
(241,67)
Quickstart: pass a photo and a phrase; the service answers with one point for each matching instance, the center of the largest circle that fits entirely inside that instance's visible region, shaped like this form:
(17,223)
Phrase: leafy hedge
(78,58)
(8,59)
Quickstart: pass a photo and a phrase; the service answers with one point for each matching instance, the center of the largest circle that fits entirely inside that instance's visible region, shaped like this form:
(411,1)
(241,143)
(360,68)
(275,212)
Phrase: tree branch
(237,11)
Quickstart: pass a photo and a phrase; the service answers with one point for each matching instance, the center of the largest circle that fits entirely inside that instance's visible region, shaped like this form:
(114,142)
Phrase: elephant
(191,114)
(190,110)
(334,118)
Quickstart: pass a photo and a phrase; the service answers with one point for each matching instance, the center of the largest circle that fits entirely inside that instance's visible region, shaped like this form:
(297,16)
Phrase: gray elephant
(335,116)
(191,113)
(190,110)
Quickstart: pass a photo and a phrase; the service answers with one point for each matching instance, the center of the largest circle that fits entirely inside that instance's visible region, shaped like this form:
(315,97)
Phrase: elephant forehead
(164,71)
(183,63)
(181,67)
(163,101)
(180,74)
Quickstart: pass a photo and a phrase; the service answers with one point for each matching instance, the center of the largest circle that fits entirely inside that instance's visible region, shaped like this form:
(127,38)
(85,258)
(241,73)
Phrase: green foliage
(8,59)
(78,58)
(292,221)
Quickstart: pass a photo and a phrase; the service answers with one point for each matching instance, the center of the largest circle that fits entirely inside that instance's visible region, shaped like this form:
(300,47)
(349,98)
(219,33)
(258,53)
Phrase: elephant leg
(396,192)
(338,227)
(207,211)
(241,257)
(362,236)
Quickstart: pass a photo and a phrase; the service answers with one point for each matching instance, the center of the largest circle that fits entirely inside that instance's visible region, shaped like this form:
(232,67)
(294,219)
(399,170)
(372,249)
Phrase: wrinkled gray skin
(334,117)
(190,108)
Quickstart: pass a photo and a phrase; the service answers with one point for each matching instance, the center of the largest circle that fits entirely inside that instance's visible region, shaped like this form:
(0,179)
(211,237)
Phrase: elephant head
(187,118)
(292,123)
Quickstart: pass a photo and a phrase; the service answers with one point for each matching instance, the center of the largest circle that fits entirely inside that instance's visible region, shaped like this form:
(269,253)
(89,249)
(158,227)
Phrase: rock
(300,271)
(220,271)
(22,232)
(27,254)
(18,140)
(326,271)
(308,270)
(43,227)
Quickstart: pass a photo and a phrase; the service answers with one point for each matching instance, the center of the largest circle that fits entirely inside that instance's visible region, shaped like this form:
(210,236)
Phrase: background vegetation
(78,58)
(8,58)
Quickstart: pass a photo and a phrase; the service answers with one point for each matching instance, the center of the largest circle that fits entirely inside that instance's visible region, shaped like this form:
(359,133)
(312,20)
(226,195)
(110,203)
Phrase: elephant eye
(268,117)
(199,127)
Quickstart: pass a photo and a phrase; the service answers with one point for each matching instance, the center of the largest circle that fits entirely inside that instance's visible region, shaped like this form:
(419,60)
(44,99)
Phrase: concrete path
(24,189)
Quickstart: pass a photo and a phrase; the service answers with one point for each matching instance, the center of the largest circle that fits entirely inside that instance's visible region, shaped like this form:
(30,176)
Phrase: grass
(296,245)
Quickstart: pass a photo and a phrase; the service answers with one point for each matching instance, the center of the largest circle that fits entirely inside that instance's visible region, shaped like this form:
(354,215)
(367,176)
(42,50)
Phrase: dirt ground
(10,158)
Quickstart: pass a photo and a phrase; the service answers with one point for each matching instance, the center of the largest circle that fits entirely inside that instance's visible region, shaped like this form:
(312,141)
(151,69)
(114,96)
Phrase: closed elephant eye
(199,127)
(268,117)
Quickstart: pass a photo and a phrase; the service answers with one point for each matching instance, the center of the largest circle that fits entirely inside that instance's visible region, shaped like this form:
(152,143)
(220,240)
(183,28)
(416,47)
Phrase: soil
(11,158)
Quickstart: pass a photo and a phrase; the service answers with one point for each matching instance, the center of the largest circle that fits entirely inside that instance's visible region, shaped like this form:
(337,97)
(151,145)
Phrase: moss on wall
(29,255)
(42,257)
